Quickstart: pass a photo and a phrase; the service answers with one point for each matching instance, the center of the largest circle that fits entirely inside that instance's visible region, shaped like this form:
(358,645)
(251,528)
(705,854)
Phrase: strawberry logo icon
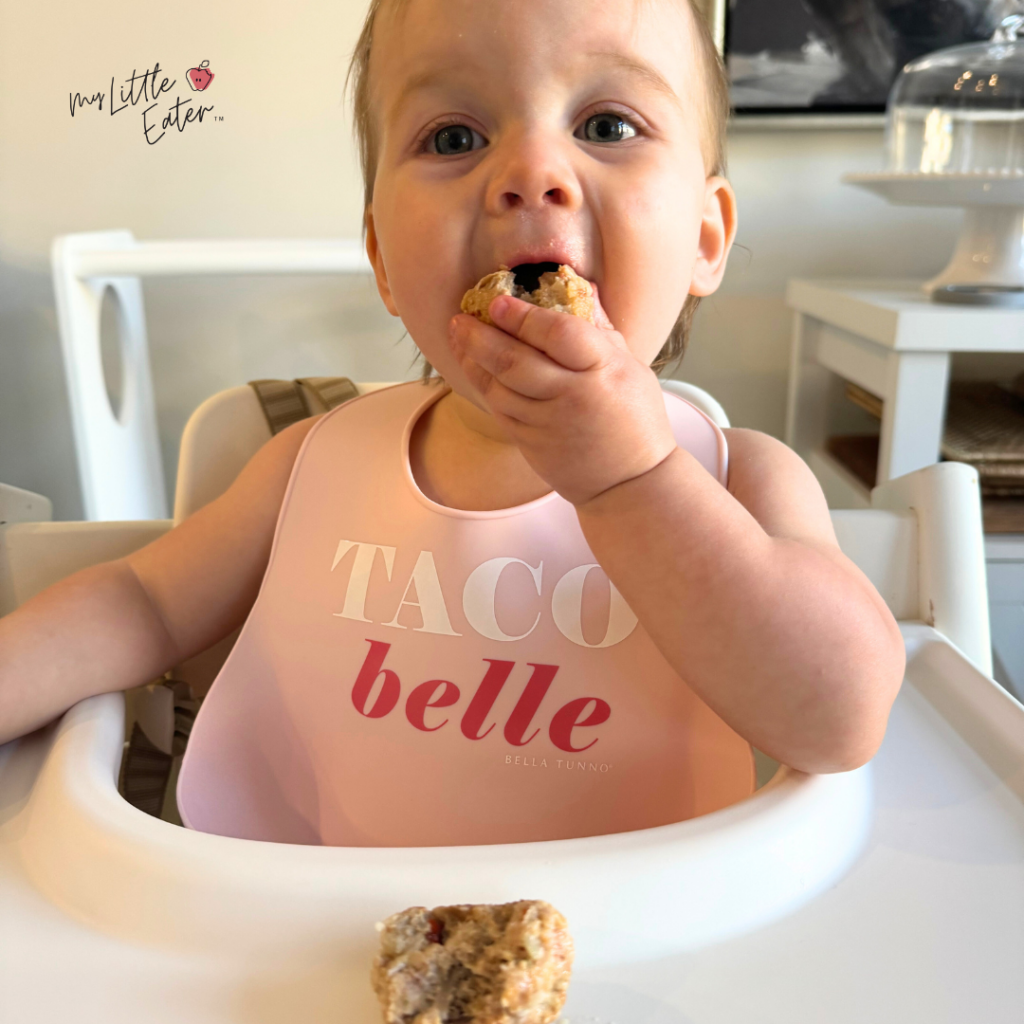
(199,78)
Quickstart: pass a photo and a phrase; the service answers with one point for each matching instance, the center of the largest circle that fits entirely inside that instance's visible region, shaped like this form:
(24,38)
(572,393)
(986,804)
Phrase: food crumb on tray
(474,964)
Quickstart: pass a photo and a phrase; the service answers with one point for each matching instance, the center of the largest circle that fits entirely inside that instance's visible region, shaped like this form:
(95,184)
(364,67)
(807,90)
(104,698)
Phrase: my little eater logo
(148,88)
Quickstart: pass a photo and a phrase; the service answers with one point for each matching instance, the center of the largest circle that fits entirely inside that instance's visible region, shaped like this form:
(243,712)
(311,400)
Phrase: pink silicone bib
(417,675)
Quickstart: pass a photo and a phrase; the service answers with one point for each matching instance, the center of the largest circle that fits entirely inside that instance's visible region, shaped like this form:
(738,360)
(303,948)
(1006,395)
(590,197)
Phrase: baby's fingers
(517,366)
(570,341)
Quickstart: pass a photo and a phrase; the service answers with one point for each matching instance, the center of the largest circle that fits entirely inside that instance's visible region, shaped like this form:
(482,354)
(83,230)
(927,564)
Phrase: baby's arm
(746,594)
(122,623)
(749,597)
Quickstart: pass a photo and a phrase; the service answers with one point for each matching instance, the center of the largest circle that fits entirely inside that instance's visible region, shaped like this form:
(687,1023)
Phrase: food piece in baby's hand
(562,289)
(485,964)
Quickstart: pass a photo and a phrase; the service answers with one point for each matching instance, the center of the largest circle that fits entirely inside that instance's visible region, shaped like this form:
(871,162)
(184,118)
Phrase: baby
(533,597)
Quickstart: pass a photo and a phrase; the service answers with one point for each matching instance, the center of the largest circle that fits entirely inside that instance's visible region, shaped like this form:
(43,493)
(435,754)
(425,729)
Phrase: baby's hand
(584,411)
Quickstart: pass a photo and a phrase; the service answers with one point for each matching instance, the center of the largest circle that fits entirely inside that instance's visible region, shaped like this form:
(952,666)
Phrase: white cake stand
(987,267)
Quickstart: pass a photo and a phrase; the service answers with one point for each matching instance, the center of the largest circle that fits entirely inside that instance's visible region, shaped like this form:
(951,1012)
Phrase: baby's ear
(377,260)
(717,231)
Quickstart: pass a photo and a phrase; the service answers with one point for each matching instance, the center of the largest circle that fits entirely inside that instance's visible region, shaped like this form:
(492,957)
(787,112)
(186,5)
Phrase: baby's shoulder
(759,460)
(776,486)
(263,481)
(286,444)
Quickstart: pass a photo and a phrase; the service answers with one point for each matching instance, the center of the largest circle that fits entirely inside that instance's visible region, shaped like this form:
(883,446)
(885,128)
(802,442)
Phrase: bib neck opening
(406,462)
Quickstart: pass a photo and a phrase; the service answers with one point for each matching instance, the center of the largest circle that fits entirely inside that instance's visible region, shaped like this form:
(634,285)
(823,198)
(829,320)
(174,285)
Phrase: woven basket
(985,428)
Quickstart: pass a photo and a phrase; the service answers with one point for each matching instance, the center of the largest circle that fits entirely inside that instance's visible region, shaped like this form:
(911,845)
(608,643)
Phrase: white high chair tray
(927,926)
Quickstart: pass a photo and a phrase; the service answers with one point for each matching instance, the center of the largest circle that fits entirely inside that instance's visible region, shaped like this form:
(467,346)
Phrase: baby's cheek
(422,247)
(648,273)
(666,208)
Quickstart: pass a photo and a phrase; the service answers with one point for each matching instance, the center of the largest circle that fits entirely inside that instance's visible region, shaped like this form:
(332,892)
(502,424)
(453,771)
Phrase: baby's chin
(463,391)
(447,370)
(471,406)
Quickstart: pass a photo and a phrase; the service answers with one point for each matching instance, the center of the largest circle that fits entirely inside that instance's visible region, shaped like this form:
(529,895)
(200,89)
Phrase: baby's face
(562,131)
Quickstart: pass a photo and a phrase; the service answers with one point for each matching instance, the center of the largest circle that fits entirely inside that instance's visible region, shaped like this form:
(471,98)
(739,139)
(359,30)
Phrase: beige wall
(281,164)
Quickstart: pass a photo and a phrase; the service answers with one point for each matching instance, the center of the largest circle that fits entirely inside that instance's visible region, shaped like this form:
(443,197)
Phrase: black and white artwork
(831,56)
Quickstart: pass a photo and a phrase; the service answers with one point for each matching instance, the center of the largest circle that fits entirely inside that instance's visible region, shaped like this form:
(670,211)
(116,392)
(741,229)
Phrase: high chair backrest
(220,438)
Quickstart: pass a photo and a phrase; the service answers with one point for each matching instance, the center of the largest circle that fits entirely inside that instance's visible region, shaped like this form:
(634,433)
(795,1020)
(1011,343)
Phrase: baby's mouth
(527,275)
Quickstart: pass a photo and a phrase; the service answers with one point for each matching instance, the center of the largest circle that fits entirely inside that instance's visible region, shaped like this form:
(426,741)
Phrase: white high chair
(892,893)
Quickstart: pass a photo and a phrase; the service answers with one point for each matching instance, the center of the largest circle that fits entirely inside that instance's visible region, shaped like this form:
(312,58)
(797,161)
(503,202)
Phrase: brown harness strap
(332,391)
(285,402)
(145,772)
(282,401)
(148,774)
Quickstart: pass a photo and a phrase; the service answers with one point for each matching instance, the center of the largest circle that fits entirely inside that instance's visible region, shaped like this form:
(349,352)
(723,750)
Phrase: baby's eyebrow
(421,80)
(431,77)
(639,67)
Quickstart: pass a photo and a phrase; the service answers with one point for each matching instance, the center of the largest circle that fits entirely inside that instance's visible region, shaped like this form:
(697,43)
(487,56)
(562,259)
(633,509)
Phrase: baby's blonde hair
(715,116)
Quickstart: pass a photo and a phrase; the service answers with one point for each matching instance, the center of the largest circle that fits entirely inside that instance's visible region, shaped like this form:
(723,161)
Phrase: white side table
(894,342)
(889,338)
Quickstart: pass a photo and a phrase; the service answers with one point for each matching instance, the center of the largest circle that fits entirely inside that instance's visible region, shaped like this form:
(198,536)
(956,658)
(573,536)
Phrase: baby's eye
(453,139)
(607,128)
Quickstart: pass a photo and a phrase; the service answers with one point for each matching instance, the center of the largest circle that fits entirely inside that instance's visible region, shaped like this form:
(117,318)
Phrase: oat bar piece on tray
(484,964)
(563,290)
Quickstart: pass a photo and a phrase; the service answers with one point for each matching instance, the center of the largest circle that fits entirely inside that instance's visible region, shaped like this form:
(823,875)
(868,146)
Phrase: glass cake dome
(955,137)
(961,110)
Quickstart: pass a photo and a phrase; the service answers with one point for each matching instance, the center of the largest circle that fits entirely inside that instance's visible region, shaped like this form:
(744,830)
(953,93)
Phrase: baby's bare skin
(743,590)
(124,623)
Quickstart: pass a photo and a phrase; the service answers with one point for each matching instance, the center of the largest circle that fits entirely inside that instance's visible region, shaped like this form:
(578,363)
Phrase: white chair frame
(119,462)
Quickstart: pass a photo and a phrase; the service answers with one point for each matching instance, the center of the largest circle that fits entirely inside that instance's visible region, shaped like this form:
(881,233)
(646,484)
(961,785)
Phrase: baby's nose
(533,177)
